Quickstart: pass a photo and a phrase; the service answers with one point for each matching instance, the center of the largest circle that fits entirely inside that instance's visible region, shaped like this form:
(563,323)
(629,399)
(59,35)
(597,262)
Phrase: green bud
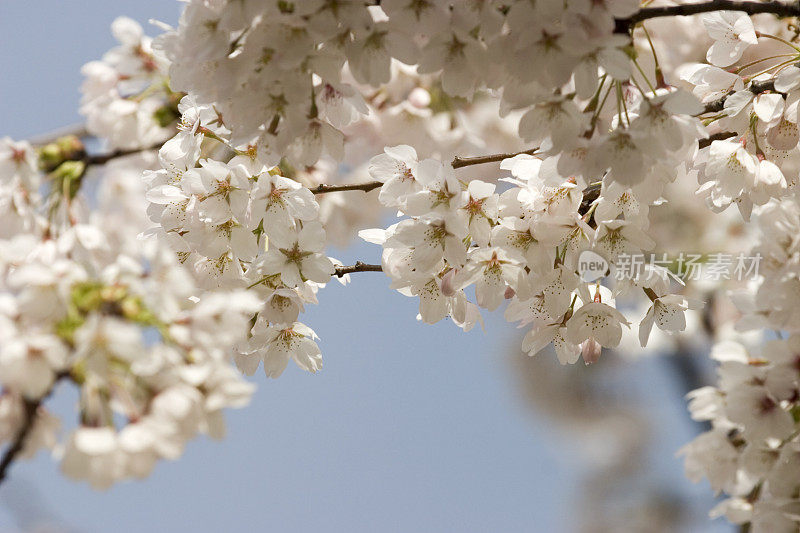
(67,177)
(62,149)
(133,309)
(50,156)
(113,293)
(67,327)
(71,147)
(87,296)
(112,300)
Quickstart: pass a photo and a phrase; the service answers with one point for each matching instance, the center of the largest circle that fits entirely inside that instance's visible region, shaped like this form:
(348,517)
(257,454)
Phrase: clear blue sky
(408,427)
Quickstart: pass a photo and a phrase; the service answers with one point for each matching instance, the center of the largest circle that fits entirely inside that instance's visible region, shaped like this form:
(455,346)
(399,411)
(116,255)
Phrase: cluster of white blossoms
(274,69)
(276,110)
(241,224)
(752,452)
(755,105)
(284,102)
(82,300)
(147,321)
(604,140)
(127,100)
(522,245)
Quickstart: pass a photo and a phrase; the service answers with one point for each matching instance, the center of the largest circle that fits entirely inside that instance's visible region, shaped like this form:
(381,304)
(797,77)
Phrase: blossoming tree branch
(515,142)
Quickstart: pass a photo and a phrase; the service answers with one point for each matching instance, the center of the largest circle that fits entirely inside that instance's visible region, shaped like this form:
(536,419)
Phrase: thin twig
(755,87)
(721,136)
(715,106)
(459,162)
(782,9)
(29,416)
(358,267)
(590,194)
(30,407)
(366,187)
(80,154)
(102,159)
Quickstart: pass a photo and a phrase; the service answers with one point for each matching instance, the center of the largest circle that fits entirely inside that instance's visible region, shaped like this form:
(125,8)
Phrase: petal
(645,326)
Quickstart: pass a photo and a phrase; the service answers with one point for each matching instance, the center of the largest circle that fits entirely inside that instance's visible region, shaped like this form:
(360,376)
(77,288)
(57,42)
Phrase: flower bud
(447,286)
(591,349)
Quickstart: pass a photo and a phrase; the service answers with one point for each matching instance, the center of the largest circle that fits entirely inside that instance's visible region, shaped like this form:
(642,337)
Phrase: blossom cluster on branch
(85,301)
(273,120)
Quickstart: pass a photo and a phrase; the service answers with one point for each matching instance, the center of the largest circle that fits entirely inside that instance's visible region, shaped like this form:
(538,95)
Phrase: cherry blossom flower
(732,32)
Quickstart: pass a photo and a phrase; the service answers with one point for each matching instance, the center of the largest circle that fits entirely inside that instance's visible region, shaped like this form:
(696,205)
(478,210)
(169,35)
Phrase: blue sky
(408,428)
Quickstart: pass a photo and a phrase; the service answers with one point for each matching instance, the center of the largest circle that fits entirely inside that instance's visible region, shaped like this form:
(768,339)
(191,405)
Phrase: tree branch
(721,136)
(782,9)
(590,194)
(755,87)
(69,147)
(102,159)
(366,187)
(11,453)
(358,267)
(716,106)
(459,162)
(29,419)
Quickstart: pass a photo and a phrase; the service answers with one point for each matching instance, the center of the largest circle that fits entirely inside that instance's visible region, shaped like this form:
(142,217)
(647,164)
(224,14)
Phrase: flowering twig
(715,106)
(755,87)
(366,187)
(102,159)
(358,267)
(14,449)
(79,131)
(721,136)
(590,194)
(459,162)
(30,407)
(782,9)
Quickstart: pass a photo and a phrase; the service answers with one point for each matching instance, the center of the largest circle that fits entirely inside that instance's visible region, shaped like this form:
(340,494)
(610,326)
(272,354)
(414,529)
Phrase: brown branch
(590,194)
(30,406)
(102,159)
(782,9)
(459,162)
(358,267)
(755,87)
(716,106)
(71,148)
(366,187)
(721,136)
